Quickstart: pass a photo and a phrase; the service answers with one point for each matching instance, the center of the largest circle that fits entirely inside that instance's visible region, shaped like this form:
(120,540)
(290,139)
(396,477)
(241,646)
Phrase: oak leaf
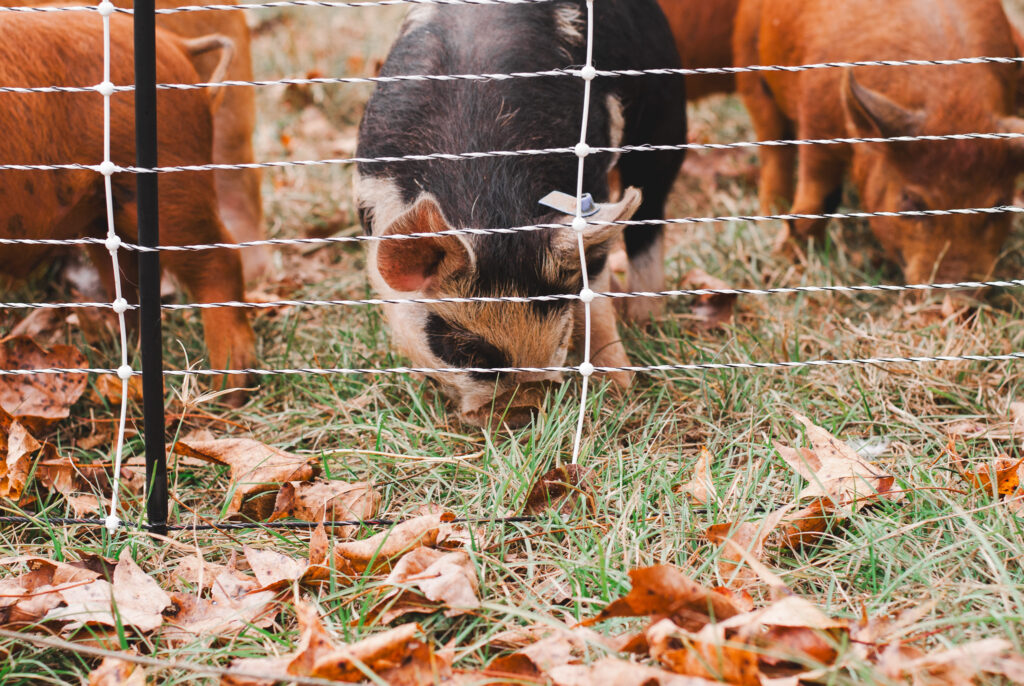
(255,469)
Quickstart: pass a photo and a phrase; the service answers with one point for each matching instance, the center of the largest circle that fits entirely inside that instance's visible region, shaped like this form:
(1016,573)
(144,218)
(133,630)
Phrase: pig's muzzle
(514,408)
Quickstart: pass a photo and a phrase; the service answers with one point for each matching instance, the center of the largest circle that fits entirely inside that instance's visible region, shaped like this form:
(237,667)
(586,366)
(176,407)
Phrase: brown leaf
(190,616)
(705,654)
(713,310)
(68,477)
(612,670)
(1005,474)
(115,672)
(559,489)
(275,570)
(381,653)
(17,448)
(700,488)
(27,598)
(750,537)
(1007,430)
(327,500)
(134,596)
(39,400)
(377,552)
(109,388)
(255,469)
(426,579)
(664,591)
(954,666)
(836,471)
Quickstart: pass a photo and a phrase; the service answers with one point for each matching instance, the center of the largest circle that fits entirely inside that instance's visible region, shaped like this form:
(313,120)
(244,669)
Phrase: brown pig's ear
(1014,125)
(869,114)
(597,238)
(420,264)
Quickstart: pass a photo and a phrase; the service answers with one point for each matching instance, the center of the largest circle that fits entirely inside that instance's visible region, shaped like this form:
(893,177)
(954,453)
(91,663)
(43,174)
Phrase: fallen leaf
(327,501)
(612,670)
(84,505)
(836,471)
(700,488)
(664,591)
(27,598)
(275,571)
(109,388)
(222,616)
(749,536)
(426,579)
(1006,430)
(17,447)
(376,552)
(39,400)
(133,599)
(115,672)
(953,666)
(559,489)
(713,310)
(255,469)
(706,654)
(1005,474)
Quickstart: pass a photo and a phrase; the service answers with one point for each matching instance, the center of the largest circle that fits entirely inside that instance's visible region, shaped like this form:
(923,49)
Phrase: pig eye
(910,202)
(460,348)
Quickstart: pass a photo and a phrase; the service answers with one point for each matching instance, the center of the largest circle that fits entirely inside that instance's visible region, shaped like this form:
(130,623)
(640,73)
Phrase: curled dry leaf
(27,598)
(545,648)
(275,571)
(378,551)
(1003,478)
(612,670)
(705,654)
(713,310)
(955,666)
(700,488)
(327,500)
(68,477)
(133,599)
(664,591)
(115,672)
(396,656)
(426,579)
(255,469)
(17,448)
(39,400)
(559,489)
(750,537)
(110,388)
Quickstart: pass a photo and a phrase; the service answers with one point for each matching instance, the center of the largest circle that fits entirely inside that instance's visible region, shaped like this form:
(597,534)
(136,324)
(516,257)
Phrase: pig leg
(207,276)
(818,190)
(777,163)
(606,349)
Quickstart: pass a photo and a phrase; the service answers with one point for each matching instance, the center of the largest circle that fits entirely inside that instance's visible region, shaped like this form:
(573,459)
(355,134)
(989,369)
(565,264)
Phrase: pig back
(814,31)
(456,117)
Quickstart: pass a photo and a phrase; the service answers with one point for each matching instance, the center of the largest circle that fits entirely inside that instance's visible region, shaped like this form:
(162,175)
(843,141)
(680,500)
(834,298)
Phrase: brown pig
(67,50)
(703,33)
(234,121)
(887,102)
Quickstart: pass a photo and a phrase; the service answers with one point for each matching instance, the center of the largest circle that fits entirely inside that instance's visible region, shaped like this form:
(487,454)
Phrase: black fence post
(149,266)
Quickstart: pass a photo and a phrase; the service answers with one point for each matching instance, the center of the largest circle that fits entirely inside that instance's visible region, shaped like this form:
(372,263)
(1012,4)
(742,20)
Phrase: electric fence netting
(148,248)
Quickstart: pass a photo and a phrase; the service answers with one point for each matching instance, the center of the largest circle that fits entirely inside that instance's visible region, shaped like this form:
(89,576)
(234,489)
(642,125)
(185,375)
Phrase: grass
(956,555)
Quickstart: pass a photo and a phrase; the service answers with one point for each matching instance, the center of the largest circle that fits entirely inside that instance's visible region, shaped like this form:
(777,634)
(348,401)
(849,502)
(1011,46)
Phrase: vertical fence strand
(149,266)
(579,225)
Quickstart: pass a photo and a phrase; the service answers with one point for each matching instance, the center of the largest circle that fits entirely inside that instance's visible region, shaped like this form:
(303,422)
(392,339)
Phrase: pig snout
(514,408)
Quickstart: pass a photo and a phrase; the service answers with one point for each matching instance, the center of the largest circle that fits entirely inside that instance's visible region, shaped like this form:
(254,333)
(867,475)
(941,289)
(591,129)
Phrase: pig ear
(597,238)
(1014,125)
(420,264)
(869,114)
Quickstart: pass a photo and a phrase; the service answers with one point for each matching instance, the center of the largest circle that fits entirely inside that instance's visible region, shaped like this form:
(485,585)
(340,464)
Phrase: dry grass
(960,553)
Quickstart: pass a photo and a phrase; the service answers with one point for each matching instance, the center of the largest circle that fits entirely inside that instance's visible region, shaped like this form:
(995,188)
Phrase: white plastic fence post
(579,225)
(113,244)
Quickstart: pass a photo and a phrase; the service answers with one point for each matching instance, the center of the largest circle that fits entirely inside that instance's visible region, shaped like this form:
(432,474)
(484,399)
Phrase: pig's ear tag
(566,204)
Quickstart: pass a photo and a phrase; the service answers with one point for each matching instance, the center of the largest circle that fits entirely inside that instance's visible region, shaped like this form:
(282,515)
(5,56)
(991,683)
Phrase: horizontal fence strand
(697,366)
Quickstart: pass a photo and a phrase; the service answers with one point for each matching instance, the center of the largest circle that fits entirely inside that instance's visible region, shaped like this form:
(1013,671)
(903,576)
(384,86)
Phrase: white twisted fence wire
(488,77)
(614,295)
(484,154)
(690,367)
(275,5)
(672,221)
(113,243)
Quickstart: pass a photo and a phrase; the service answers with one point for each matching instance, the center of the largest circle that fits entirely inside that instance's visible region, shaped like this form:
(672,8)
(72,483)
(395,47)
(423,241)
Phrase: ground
(957,554)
